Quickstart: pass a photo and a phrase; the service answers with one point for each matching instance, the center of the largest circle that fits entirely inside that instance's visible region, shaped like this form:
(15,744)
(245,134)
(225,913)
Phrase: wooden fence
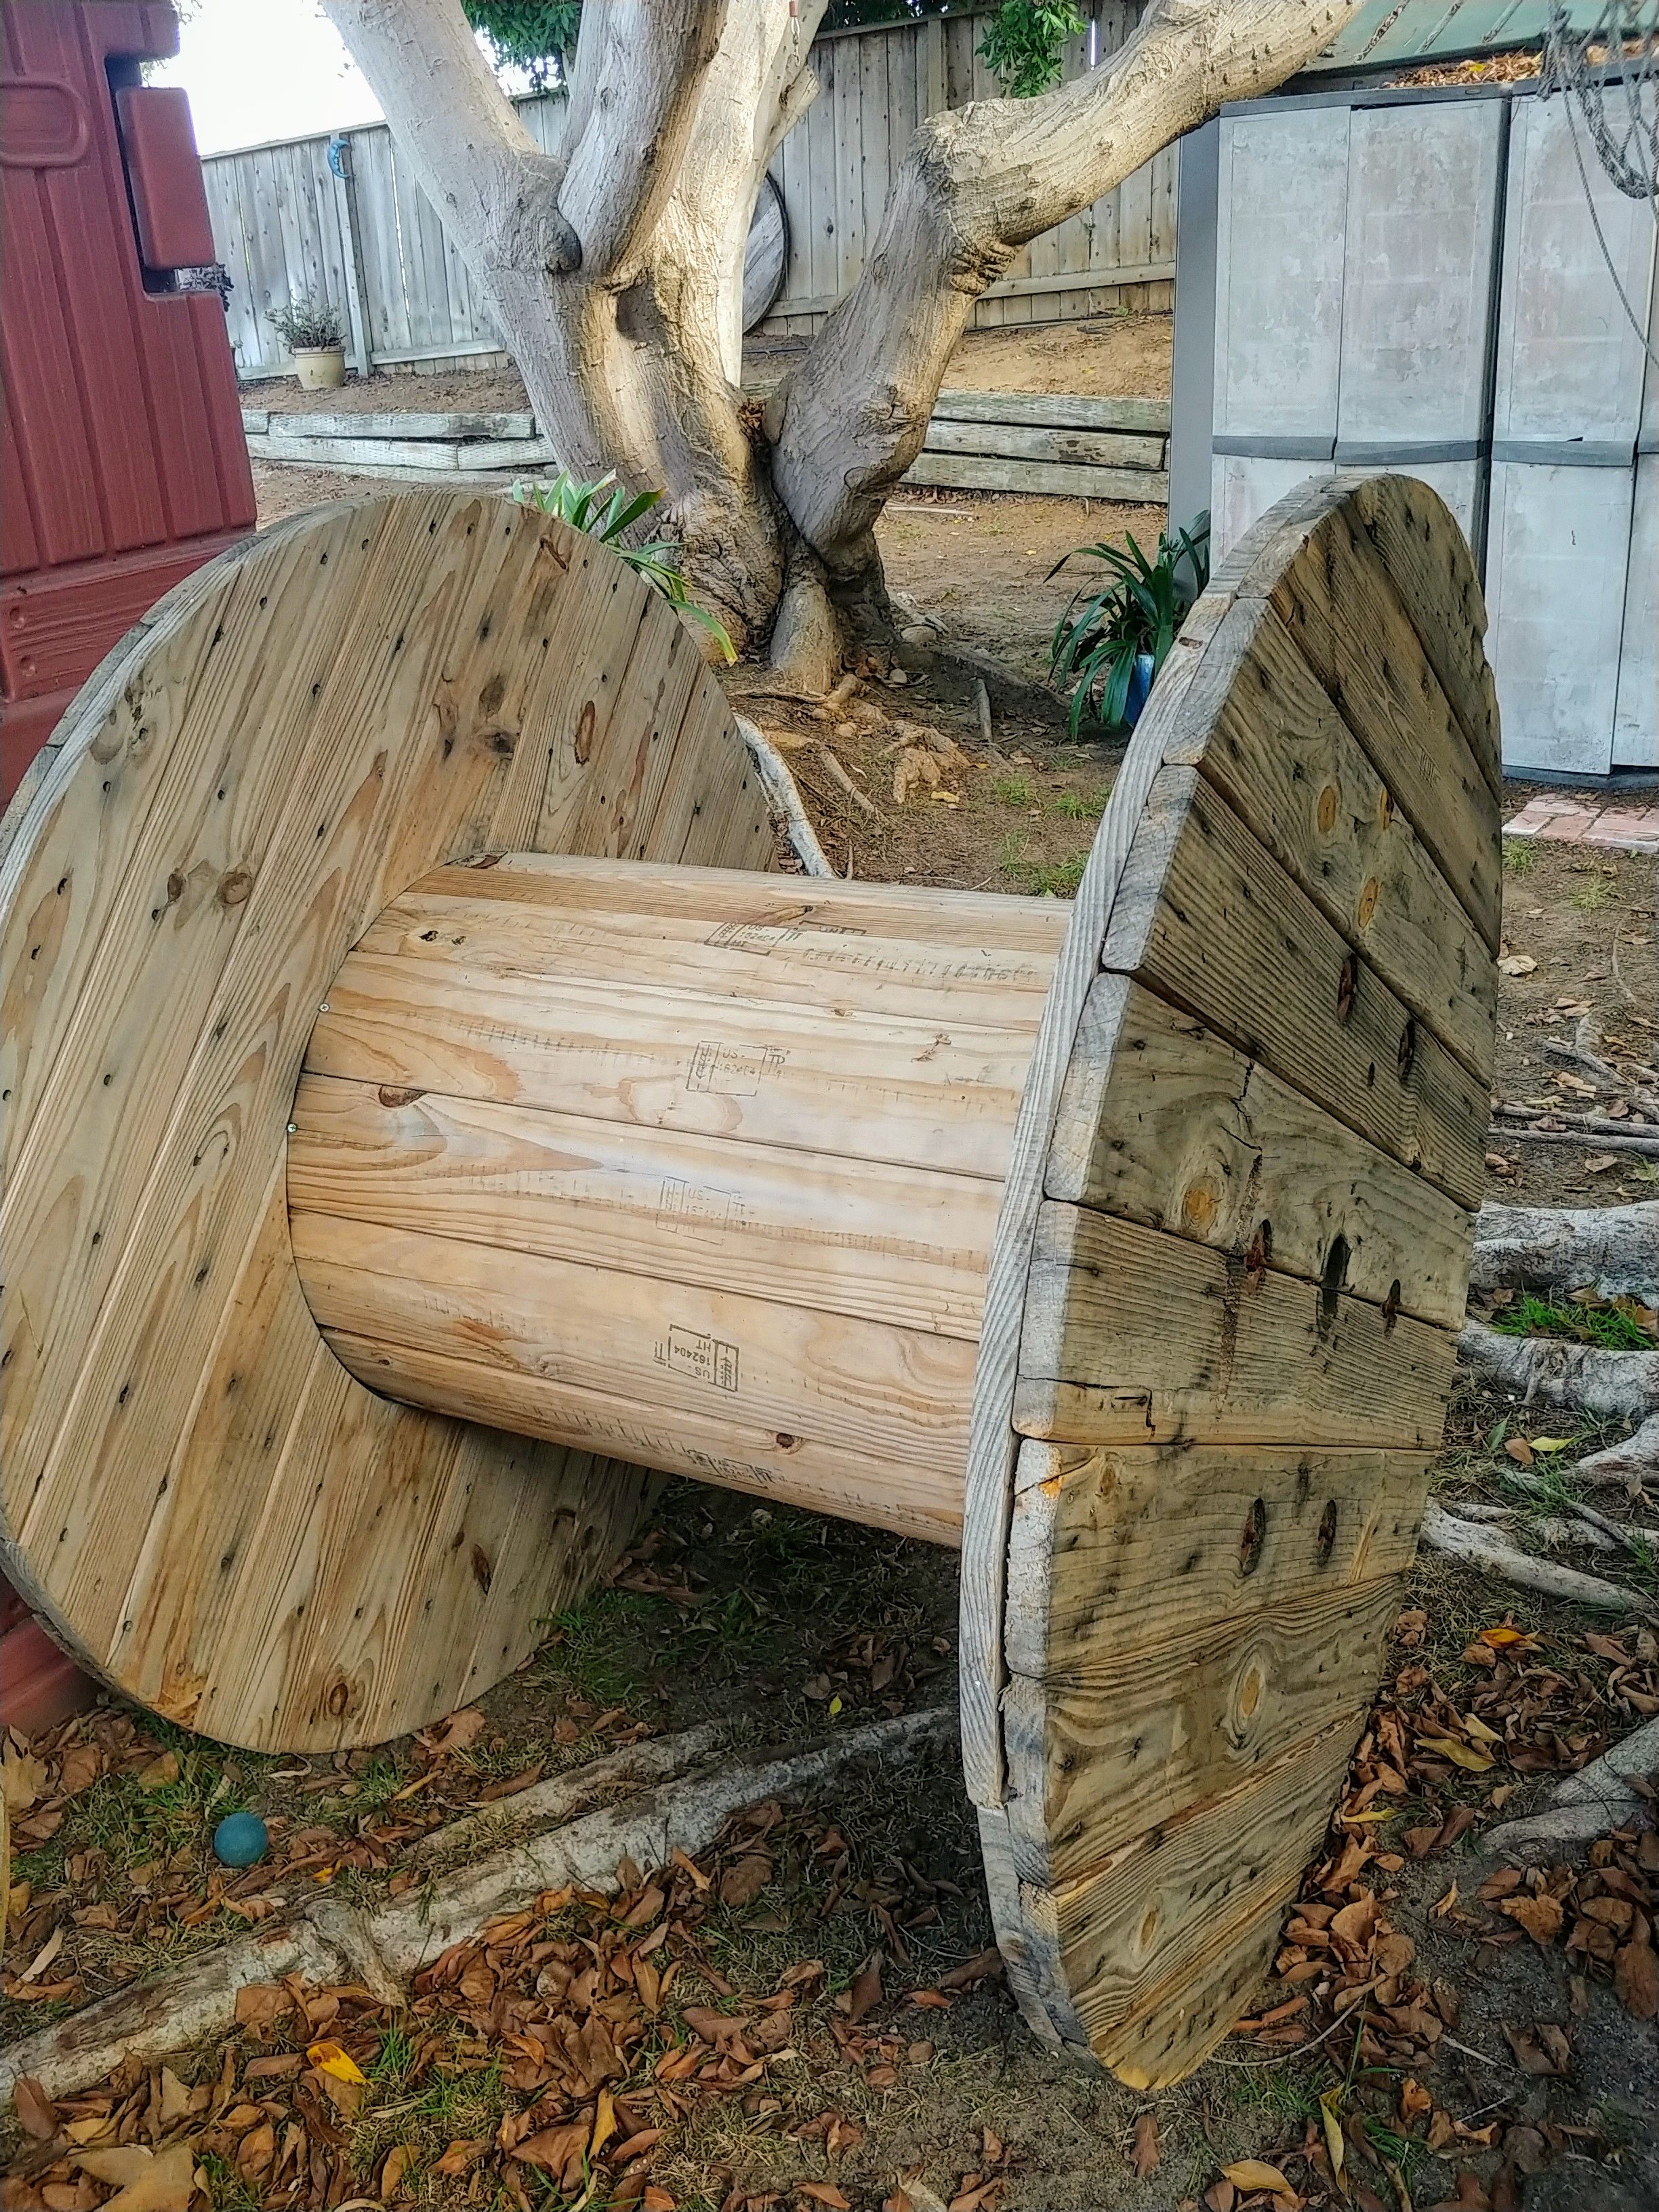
(356,230)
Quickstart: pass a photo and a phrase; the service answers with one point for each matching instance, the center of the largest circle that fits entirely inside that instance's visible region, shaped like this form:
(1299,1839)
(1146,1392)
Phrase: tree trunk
(615,267)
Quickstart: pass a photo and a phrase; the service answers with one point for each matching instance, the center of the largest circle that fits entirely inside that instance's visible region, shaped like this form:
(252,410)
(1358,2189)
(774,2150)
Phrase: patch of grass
(1520,855)
(1609,1327)
(1041,879)
(1078,807)
(1594,891)
(1013,791)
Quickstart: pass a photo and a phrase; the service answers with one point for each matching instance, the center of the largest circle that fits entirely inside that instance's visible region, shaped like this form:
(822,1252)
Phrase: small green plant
(1140,608)
(307,325)
(1519,853)
(585,507)
(1078,807)
(1594,891)
(1024,44)
(1609,1327)
(1011,791)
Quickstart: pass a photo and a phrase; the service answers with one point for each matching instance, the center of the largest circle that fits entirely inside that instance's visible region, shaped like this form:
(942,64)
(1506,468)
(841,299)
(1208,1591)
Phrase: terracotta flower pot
(320,369)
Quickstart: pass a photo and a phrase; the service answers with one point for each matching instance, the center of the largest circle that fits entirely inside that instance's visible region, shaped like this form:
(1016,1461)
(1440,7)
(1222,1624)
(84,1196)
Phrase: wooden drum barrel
(423,1113)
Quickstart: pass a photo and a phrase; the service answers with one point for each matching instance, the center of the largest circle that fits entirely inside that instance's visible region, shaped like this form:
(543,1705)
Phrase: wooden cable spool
(424,1117)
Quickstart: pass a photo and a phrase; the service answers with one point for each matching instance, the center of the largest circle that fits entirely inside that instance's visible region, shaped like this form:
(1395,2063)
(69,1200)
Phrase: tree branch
(976,184)
(494,189)
(640,70)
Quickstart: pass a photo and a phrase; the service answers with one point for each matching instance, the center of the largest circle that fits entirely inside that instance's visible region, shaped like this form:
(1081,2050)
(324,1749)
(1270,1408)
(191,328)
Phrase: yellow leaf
(1497,1637)
(1460,1754)
(1549,1444)
(1372,1813)
(604,2124)
(1477,1728)
(329,2058)
(1333,2143)
(1251,2173)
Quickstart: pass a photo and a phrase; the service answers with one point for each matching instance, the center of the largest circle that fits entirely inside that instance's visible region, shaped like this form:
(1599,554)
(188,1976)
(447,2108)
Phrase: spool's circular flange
(1230,1267)
(207,1511)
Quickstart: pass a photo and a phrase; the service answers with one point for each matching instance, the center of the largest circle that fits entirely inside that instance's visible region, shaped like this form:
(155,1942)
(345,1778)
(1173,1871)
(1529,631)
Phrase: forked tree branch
(977,183)
(640,69)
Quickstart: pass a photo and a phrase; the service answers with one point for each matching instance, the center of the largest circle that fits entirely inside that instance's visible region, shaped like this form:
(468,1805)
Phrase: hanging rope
(1617,98)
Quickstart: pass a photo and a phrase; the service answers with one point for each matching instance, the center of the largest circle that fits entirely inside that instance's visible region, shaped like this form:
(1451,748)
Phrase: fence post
(339,161)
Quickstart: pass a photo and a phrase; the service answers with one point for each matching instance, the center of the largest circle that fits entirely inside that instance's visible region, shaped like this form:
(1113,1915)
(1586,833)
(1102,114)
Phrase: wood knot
(1329,799)
(1199,1205)
(584,743)
(483,1572)
(1347,988)
(233,886)
(1368,898)
(1253,1537)
(390,1095)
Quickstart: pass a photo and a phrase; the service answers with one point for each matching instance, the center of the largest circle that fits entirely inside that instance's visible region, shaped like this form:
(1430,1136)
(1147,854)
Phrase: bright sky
(265,69)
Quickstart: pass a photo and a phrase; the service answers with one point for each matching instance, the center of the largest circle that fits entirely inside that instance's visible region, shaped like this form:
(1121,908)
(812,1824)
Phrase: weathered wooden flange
(212,1514)
(1222,1312)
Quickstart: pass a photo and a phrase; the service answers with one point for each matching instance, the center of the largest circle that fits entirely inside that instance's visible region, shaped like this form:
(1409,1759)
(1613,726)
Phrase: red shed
(122,460)
(123,464)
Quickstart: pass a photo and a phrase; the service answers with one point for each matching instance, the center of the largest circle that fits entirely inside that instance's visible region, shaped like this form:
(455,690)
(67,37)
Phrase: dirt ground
(1121,353)
(1468,2038)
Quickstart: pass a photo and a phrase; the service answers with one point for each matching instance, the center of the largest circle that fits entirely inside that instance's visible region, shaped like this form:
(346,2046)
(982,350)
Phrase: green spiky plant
(1138,608)
(585,507)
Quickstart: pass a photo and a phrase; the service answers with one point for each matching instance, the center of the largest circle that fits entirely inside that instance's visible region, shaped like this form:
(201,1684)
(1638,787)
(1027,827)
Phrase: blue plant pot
(1140,684)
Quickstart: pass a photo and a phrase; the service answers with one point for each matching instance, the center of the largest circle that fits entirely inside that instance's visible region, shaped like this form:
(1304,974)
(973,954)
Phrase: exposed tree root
(1556,1247)
(1616,1386)
(1480,1547)
(1585,1805)
(1631,1464)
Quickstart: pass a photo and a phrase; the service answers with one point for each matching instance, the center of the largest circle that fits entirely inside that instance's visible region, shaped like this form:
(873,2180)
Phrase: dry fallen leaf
(824,2192)
(867,1987)
(159,1772)
(1517,964)
(395,2167)
(458,1732)
(1252,2173)
(25,1779)
(35,2109)
(1147,2154)
(153,2181)
(1539,1915)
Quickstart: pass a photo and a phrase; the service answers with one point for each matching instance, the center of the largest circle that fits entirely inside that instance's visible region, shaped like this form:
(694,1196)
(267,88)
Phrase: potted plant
(1110,643)
(312,331)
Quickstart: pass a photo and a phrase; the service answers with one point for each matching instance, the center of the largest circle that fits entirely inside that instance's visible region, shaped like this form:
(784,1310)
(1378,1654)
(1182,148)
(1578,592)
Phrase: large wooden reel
(1127,1250)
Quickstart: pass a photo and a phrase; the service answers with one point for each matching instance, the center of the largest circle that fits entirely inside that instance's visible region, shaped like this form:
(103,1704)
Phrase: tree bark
(1619,1386)
(1615,1249)
(1479,1547)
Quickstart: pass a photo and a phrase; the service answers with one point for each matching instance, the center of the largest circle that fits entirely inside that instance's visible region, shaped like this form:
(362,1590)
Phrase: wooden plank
(872,1087)
(1350,621)
(1209,920)
(977,472)
(454,426)
(414,454)
(859,907)
(1280,753)
(1054,410)
(902,1245)
(786,1384)
(1164,1122)
(1160,1949)
(1016,442)
(1131,1336)
(826,971)
(1114,1549)
(1141,1733)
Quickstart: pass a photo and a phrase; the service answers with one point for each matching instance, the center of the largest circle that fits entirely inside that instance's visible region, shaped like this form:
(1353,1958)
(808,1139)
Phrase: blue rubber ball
(241,1839)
